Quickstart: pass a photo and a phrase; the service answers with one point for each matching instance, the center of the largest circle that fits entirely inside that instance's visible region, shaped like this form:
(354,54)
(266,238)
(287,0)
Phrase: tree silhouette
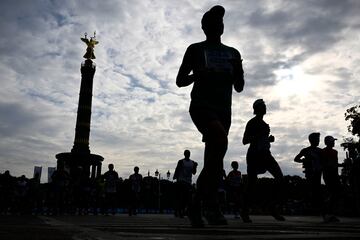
(353,115)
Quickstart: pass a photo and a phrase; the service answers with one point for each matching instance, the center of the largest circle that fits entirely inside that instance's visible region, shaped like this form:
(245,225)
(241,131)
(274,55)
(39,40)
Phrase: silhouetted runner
(259,159)
(111,179)
(331,178)
(310,157)
(135,188)
(184,170)
(214,69)
(235,189)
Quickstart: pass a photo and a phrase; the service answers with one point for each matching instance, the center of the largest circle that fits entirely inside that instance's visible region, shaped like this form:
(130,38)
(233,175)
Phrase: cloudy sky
(301,57)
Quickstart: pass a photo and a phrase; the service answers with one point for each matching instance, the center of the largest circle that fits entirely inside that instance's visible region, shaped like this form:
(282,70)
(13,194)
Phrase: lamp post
(158,174)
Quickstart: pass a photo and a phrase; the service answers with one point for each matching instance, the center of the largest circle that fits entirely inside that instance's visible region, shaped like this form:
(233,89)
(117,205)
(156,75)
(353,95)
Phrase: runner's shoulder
(232,49)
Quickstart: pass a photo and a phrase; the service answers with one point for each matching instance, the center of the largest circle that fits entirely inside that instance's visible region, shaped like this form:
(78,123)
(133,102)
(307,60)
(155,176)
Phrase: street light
(158,174)
(168,174)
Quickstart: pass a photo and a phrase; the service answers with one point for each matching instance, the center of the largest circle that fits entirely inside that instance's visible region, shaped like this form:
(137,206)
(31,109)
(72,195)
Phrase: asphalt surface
(159,227)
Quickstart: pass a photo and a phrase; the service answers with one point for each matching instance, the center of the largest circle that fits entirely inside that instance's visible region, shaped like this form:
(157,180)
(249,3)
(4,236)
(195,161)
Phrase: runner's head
(314,139)
(187,153)
(259,107)
(212,21)
(329,141)
(111,166)
(235,165)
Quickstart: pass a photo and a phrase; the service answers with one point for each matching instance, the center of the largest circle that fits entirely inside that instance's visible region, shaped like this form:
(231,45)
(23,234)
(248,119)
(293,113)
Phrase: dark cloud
(314,25)
(15,119)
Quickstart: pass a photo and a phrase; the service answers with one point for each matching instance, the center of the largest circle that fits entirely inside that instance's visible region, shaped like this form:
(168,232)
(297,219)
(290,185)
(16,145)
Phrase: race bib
(218,61)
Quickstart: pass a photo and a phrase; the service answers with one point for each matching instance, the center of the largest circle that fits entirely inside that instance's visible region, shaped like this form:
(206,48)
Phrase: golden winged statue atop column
(90,46)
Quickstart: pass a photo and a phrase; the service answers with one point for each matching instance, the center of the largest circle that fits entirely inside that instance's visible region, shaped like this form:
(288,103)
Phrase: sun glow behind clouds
(293,81)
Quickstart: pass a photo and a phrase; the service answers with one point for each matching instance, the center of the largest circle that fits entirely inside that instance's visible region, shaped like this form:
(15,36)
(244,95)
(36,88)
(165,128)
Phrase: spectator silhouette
(99,195)
(213,68)
(148,193)
(60,183)
(350,177)
(310,157)
(184,170)
(7,184)
(355,177)
(235,189)
(331,178)
(81,186)
(259,159)
(35,194)
(111,179)
(135,188)
(21,195)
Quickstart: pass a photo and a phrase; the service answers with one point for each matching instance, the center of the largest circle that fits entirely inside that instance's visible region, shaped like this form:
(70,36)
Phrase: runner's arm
(184,78)
(239,81)
(299,158)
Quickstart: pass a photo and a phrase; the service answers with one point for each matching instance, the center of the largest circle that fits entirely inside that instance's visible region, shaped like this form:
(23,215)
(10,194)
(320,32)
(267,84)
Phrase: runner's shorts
(201,116)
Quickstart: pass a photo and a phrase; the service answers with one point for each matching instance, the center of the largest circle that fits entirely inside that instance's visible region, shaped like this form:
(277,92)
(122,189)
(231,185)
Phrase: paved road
(166,227)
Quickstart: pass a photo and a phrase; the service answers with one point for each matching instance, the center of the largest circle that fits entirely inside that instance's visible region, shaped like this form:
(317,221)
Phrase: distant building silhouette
(80,155)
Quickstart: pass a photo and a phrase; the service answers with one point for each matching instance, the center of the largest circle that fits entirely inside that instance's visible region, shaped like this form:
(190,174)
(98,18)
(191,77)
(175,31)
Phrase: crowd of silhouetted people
(110,194)
(107,194)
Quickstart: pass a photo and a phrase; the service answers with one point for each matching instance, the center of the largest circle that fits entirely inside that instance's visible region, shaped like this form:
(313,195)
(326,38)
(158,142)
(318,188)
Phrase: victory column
(80,156)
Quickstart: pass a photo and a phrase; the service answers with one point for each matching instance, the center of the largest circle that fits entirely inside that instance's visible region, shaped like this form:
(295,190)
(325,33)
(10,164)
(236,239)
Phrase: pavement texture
(160,227)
